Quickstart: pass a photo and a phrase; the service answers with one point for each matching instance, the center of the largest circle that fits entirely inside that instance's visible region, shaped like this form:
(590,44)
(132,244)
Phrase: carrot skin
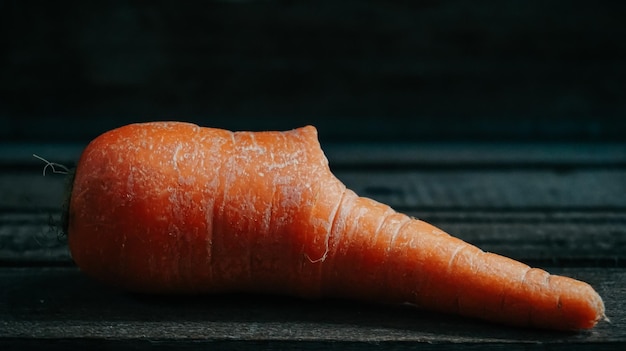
(171,207)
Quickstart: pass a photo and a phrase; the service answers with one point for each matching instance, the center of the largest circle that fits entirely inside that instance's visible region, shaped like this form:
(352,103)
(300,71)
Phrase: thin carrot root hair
(63,169)
(58,168)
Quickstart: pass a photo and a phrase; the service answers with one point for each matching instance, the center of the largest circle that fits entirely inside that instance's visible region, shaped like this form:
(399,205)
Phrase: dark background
(358,70)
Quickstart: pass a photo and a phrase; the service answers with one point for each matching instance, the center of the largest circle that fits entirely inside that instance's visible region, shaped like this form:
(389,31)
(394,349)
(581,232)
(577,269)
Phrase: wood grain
(555,239)
(539,203)
(62,304)
(558,206)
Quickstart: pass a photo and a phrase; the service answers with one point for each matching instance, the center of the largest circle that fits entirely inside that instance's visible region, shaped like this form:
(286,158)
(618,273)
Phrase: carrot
(170,207)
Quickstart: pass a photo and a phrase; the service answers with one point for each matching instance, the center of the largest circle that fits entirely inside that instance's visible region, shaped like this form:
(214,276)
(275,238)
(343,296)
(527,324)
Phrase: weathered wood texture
(558,206)
(535,203)
(62,304)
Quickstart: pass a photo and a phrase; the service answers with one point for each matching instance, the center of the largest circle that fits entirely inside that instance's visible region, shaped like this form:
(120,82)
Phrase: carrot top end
(65,206)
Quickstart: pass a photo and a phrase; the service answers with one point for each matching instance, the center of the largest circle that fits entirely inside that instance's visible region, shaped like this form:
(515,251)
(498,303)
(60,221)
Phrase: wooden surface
(558,207)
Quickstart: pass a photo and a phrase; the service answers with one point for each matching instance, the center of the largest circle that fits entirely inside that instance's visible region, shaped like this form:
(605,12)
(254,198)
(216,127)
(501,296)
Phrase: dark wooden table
(559,206)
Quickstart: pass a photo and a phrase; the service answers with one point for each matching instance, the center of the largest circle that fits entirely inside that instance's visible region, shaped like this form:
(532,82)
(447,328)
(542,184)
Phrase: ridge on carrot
(171,207)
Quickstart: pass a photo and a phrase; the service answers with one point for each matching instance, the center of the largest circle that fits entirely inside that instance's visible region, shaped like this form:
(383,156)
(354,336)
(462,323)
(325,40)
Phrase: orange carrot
(171,207)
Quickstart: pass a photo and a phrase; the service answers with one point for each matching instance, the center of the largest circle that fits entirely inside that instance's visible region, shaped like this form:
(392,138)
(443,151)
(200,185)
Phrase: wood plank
(40,305)
(463,155)
(537,238)
(411,189)
(349,154)
(493,189)
(533,215)
(30,239)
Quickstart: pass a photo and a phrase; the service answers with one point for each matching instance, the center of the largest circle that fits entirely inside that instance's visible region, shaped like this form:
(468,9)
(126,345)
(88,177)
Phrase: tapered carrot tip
(171,207)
